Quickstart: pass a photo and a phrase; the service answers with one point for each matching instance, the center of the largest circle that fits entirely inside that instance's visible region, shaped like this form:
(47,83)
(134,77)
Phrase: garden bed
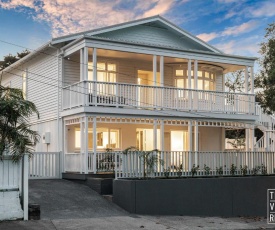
(213,196)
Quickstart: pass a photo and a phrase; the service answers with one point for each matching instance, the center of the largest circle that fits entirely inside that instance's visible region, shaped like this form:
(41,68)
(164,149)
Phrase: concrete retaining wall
(232,196)
(10,207)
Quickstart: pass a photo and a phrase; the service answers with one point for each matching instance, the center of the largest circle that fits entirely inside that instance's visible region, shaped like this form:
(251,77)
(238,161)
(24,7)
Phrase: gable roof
(155,21)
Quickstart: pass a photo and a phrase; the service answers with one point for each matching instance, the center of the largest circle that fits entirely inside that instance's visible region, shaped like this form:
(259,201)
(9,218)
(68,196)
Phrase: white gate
(45,165)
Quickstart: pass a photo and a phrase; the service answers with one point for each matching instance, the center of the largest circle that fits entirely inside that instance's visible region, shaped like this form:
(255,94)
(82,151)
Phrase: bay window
(206,79)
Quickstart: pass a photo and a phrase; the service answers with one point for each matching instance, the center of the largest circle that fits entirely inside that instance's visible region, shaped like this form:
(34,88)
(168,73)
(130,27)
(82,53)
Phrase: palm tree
(16,136)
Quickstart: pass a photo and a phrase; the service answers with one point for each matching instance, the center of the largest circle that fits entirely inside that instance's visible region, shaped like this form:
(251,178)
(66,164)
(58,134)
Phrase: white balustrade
(44,165)
(155,97)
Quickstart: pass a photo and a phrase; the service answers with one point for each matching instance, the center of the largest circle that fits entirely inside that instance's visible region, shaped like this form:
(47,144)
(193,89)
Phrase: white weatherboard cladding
(13,78)
(71,72)
(152,35)
(41,128)
(43,83)
(10,207)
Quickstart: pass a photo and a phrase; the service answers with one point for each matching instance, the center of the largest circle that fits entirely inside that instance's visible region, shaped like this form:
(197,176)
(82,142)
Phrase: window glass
(206,74)
(179,72)
(200,84)
(206,85)
(77,139)
(101,66)
(101,76)
(199,73)
(111,67)
(180,83)
(114,139)
(90,66)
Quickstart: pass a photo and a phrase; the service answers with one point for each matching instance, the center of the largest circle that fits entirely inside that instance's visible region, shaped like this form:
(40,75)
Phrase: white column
(25,186)
(252,79)
(189,85)
(251,138)
(196,141)
(94,98)
(223,139)
(189,73)
(247,139)
(161,70)
(246,79)
(81,64)
(196,74)
(267,144)
(190,134)
(155,82)
(196,84)
(85,63)
(155,135)
(82,145)
(94,144)
(86,127)
(155,69)
(162,145)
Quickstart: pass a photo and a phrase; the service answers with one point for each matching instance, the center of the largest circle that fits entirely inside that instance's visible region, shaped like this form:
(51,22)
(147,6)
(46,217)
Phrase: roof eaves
(27,57)
(169,47)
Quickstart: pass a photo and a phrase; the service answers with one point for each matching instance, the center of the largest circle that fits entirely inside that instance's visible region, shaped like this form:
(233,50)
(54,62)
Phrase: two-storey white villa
(145,83)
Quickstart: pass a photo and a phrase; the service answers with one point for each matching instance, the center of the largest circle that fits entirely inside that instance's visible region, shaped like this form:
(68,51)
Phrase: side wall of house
(43,89)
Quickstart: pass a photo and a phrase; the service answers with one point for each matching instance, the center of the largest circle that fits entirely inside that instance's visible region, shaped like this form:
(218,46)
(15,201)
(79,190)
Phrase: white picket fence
(103,162)
(131,165)
(14,177)
(45,165)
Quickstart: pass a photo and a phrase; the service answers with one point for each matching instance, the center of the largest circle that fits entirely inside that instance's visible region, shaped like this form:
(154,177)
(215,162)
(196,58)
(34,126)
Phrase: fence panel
(44,165)
(131,165)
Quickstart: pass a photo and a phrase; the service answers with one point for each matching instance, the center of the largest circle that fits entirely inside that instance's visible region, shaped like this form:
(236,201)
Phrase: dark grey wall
(234,196)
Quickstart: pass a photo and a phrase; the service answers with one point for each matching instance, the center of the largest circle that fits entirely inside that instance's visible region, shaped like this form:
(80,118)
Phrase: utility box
(46,138)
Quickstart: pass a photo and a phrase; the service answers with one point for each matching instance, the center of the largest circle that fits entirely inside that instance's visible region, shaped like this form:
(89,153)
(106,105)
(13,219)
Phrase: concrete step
(108,197)
(104,186)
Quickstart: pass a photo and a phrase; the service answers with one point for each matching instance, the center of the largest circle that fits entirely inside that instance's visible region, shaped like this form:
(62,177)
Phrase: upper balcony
(145,82)
(121,95)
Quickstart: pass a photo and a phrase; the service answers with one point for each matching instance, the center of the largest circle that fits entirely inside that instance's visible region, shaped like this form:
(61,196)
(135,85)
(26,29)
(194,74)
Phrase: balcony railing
(121,95)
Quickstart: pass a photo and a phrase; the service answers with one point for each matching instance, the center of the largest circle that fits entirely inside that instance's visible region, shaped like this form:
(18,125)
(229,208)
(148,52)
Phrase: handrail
(152,86)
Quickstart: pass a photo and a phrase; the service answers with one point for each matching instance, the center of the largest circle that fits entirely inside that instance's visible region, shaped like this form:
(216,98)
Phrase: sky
(233,26)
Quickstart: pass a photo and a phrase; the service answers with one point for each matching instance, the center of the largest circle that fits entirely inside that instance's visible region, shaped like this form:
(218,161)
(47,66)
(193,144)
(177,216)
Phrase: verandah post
(94,144)
(190,144)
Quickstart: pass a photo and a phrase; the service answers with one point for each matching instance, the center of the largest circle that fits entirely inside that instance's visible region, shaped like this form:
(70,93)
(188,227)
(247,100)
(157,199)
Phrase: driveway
(67,205)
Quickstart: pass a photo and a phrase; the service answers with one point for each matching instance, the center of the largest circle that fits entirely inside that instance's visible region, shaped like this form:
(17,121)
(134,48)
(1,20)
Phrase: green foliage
(239,139)
(235,81)
(151,159)
(219,170)
(179,170)
(167,172)
(265,80)
(16,136)
(256,170)
(206,169)
(244,170)
(263,169)
(10,59)
(194,170)
(233,169)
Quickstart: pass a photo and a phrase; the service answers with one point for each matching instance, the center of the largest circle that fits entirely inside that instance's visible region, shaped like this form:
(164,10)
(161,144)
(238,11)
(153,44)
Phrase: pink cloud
(243,28)
(71,16)
(207,37)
